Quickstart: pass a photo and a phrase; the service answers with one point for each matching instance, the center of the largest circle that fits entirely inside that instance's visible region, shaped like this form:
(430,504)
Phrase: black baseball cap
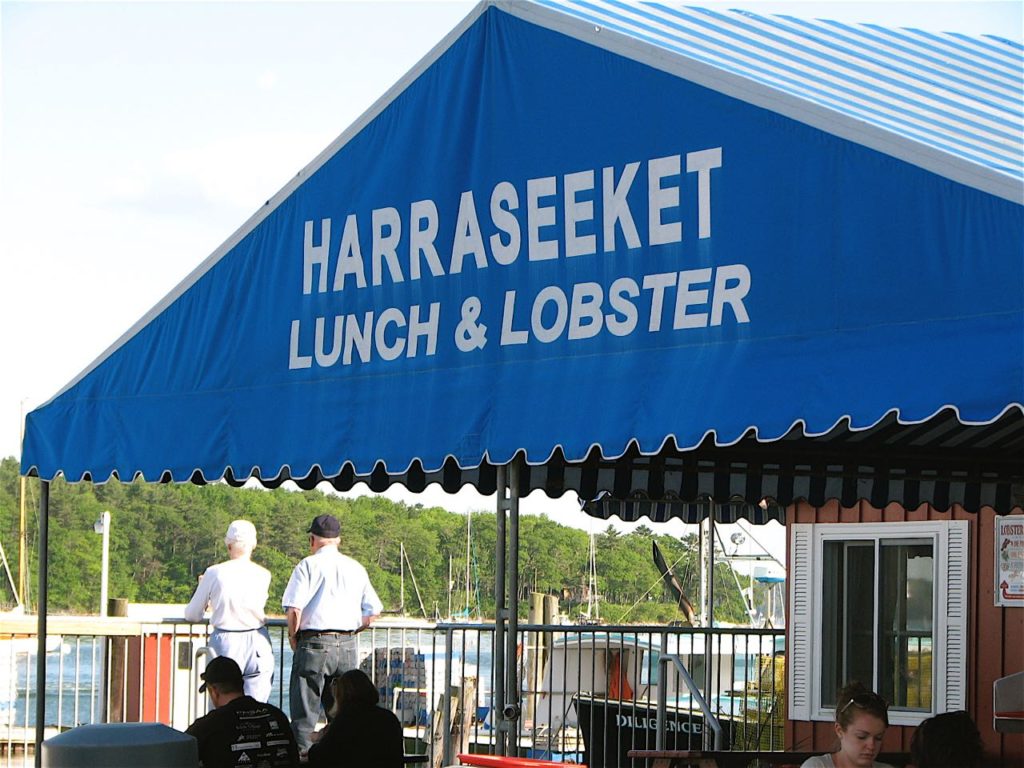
(222,669)
(325,526)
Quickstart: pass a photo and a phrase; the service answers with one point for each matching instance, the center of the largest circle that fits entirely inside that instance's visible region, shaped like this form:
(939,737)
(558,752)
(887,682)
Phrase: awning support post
(500,613)
(44,533)
(506,610)
(511,711)
(709,637)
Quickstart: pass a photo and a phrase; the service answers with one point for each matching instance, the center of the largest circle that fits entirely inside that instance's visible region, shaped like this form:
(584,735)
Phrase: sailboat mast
(10,578)
(469,528)
(22,596)
(401,571)
(707,571)
(415,585)
(23,537)
(593,605)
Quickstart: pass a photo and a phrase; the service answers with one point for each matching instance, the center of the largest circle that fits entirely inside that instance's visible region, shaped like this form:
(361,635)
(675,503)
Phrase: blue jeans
(317,659)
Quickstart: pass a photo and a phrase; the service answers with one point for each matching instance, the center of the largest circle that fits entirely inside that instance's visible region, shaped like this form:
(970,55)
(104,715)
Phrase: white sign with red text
(1009,570)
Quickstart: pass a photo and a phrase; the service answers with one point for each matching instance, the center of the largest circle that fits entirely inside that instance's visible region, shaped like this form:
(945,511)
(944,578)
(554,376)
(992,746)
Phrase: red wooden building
(980,641)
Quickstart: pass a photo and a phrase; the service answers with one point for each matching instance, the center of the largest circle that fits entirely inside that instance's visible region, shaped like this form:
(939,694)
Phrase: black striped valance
(940,462)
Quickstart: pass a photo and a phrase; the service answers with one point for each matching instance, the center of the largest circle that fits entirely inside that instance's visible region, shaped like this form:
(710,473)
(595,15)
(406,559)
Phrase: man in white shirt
(328,599)
(236,593)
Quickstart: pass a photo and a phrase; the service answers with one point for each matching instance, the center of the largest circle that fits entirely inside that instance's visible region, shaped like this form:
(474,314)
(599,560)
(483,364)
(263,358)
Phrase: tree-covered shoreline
(164,536)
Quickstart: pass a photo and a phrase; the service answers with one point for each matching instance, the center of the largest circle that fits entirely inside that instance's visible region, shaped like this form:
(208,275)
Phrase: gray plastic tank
(121,745)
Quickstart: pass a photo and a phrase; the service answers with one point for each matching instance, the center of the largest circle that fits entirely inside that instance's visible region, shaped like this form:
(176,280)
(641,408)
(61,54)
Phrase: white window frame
(949,606)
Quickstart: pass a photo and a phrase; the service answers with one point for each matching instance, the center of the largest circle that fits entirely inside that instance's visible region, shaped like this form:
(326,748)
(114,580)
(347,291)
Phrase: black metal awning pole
(512,637)
(500,614)
(41,592)
(709,638)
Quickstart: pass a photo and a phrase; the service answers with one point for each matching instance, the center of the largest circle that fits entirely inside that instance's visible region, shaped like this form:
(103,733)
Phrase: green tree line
(164,536)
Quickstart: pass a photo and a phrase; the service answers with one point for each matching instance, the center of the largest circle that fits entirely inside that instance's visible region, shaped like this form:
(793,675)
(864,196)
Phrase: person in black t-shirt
(360,734)
(241,731)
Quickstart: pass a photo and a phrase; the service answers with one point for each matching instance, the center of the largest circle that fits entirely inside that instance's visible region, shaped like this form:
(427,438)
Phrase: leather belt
(304,634)
(251,629)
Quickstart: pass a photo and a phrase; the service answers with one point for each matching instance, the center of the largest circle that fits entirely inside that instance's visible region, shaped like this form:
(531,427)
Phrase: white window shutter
(800,680)
(956,599)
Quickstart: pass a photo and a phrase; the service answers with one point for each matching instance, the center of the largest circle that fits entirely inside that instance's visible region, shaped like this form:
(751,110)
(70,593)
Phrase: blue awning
(638,247)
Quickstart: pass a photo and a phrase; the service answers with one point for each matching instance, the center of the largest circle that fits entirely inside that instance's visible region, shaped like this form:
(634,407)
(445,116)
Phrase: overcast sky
(136,137)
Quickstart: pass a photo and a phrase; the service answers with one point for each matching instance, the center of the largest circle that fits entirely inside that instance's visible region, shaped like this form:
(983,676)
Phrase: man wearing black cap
(241,730)
(328,599)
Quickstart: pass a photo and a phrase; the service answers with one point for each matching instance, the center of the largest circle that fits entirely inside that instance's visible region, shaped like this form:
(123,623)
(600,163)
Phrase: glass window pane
(831,623)
(906,586)
(860,630)
(848,599)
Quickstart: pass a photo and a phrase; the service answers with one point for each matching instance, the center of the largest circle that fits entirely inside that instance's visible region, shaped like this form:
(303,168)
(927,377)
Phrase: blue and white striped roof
(948,102)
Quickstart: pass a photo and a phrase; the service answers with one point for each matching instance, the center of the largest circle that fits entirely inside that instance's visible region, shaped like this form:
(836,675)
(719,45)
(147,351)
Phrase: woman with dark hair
(861,719)
(360,733)
(950,740)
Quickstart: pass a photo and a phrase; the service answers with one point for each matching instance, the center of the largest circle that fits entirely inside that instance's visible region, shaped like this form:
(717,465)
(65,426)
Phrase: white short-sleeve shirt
(236,593)
(826,761)
(332,591)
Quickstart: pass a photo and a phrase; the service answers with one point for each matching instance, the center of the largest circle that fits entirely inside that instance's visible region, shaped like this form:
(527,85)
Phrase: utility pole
(102,526)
